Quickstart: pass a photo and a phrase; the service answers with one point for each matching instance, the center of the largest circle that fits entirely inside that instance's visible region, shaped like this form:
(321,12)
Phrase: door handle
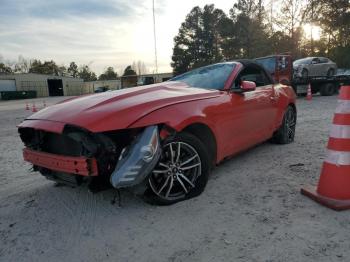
(273,98)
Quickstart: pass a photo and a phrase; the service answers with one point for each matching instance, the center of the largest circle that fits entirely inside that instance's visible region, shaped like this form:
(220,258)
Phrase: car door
(326,66)
(316,67)
(252,113)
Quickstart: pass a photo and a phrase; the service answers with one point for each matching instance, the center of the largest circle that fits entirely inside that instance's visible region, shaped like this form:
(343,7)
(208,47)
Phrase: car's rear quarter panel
(285,96)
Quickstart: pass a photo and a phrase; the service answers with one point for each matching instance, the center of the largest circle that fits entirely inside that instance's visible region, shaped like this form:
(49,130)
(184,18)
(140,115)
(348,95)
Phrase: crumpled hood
(119,109)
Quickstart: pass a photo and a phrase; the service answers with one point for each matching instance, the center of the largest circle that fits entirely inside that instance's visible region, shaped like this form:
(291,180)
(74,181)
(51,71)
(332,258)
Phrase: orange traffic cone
(34,108)
(309,93)
(333,188)
(27,106)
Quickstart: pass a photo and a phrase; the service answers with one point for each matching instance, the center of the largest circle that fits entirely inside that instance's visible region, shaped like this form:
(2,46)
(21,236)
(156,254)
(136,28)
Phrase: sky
(94,32)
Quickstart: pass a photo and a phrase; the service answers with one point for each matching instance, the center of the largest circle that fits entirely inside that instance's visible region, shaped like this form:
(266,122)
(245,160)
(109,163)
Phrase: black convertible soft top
(253,63)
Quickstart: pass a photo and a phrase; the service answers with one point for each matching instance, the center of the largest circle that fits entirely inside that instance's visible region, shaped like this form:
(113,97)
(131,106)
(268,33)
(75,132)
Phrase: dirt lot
(251,209)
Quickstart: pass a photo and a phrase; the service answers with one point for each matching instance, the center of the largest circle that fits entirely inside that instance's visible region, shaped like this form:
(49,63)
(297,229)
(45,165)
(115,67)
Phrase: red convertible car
(160,140)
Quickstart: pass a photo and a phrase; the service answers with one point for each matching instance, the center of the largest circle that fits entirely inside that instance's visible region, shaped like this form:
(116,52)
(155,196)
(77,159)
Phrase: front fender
(177,117)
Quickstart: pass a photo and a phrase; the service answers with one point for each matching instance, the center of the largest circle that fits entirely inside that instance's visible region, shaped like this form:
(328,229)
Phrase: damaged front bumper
(74,165)
(138,160)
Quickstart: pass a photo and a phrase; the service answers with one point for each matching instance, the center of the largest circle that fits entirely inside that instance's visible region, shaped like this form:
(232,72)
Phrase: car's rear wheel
(182,171)
(285,134)
(327,89)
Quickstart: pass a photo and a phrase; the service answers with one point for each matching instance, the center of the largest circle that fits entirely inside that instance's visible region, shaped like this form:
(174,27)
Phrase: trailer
(281,69)
(325,85)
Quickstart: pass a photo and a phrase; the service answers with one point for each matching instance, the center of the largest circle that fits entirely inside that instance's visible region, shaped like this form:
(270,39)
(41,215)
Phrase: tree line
(73,70)
(254,28)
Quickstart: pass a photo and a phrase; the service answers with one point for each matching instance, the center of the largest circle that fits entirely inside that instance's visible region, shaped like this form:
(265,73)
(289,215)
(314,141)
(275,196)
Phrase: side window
(316,61)
(324,60)
(253,74)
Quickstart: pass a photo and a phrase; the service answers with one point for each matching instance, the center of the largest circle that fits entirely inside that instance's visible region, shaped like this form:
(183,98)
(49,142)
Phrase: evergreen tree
(199,41)
(86,74)
(73,69)
(109,74)
(129,71)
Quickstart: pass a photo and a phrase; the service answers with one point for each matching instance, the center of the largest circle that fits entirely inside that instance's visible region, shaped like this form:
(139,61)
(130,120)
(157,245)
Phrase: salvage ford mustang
(160,140)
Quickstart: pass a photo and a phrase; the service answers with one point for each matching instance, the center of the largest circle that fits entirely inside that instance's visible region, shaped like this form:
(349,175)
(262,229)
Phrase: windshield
(303,61)
(208,77)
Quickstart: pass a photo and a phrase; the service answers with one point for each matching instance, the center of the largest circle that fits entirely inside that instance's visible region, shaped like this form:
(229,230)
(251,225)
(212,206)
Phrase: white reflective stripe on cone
(343,107)
(340,131)
(338,158)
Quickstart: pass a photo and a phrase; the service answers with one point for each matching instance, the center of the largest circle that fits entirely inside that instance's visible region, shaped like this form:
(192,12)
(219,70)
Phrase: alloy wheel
(177,171)
(290,124)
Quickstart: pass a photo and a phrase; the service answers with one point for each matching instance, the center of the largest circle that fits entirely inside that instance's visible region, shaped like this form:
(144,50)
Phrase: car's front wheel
(182,171)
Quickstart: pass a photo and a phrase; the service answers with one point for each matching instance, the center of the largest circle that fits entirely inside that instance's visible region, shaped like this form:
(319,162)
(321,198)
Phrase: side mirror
(247,86)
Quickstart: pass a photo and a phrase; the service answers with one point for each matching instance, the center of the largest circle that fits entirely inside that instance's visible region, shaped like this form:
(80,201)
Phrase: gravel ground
(251,209)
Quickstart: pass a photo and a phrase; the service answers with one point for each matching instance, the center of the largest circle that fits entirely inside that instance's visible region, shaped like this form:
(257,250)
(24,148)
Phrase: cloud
(107,32)
(63,8)
(70,30)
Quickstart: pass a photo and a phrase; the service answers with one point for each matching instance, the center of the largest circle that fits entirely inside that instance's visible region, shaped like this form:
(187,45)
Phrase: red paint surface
(52,126)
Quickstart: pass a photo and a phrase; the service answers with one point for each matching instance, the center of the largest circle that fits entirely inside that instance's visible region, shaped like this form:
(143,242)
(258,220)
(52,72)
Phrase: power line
(311,27)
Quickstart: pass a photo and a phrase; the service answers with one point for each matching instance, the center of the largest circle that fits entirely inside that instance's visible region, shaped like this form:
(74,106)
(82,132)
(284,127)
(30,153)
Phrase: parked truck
(281,69)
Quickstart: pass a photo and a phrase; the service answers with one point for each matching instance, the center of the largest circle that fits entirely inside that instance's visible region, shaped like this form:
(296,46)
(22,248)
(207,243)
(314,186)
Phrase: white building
(44,85)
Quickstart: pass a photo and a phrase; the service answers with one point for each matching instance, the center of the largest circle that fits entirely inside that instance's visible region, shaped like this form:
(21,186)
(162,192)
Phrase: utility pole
(271,15)
(311,27)
(155,39)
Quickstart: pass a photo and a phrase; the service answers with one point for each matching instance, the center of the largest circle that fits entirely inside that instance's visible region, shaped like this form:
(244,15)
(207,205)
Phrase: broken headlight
(137,160)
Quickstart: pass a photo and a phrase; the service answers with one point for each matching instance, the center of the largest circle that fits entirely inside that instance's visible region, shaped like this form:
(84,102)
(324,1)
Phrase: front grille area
(61,145)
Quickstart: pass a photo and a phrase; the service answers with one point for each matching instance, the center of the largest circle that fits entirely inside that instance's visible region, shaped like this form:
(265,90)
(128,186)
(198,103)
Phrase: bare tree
(22,65)
(291,20)
(139,67)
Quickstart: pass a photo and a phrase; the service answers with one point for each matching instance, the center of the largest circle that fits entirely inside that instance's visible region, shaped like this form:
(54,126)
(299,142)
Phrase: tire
(330,72)
(304,73)
(285,134)
(327,89)
(170,182)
